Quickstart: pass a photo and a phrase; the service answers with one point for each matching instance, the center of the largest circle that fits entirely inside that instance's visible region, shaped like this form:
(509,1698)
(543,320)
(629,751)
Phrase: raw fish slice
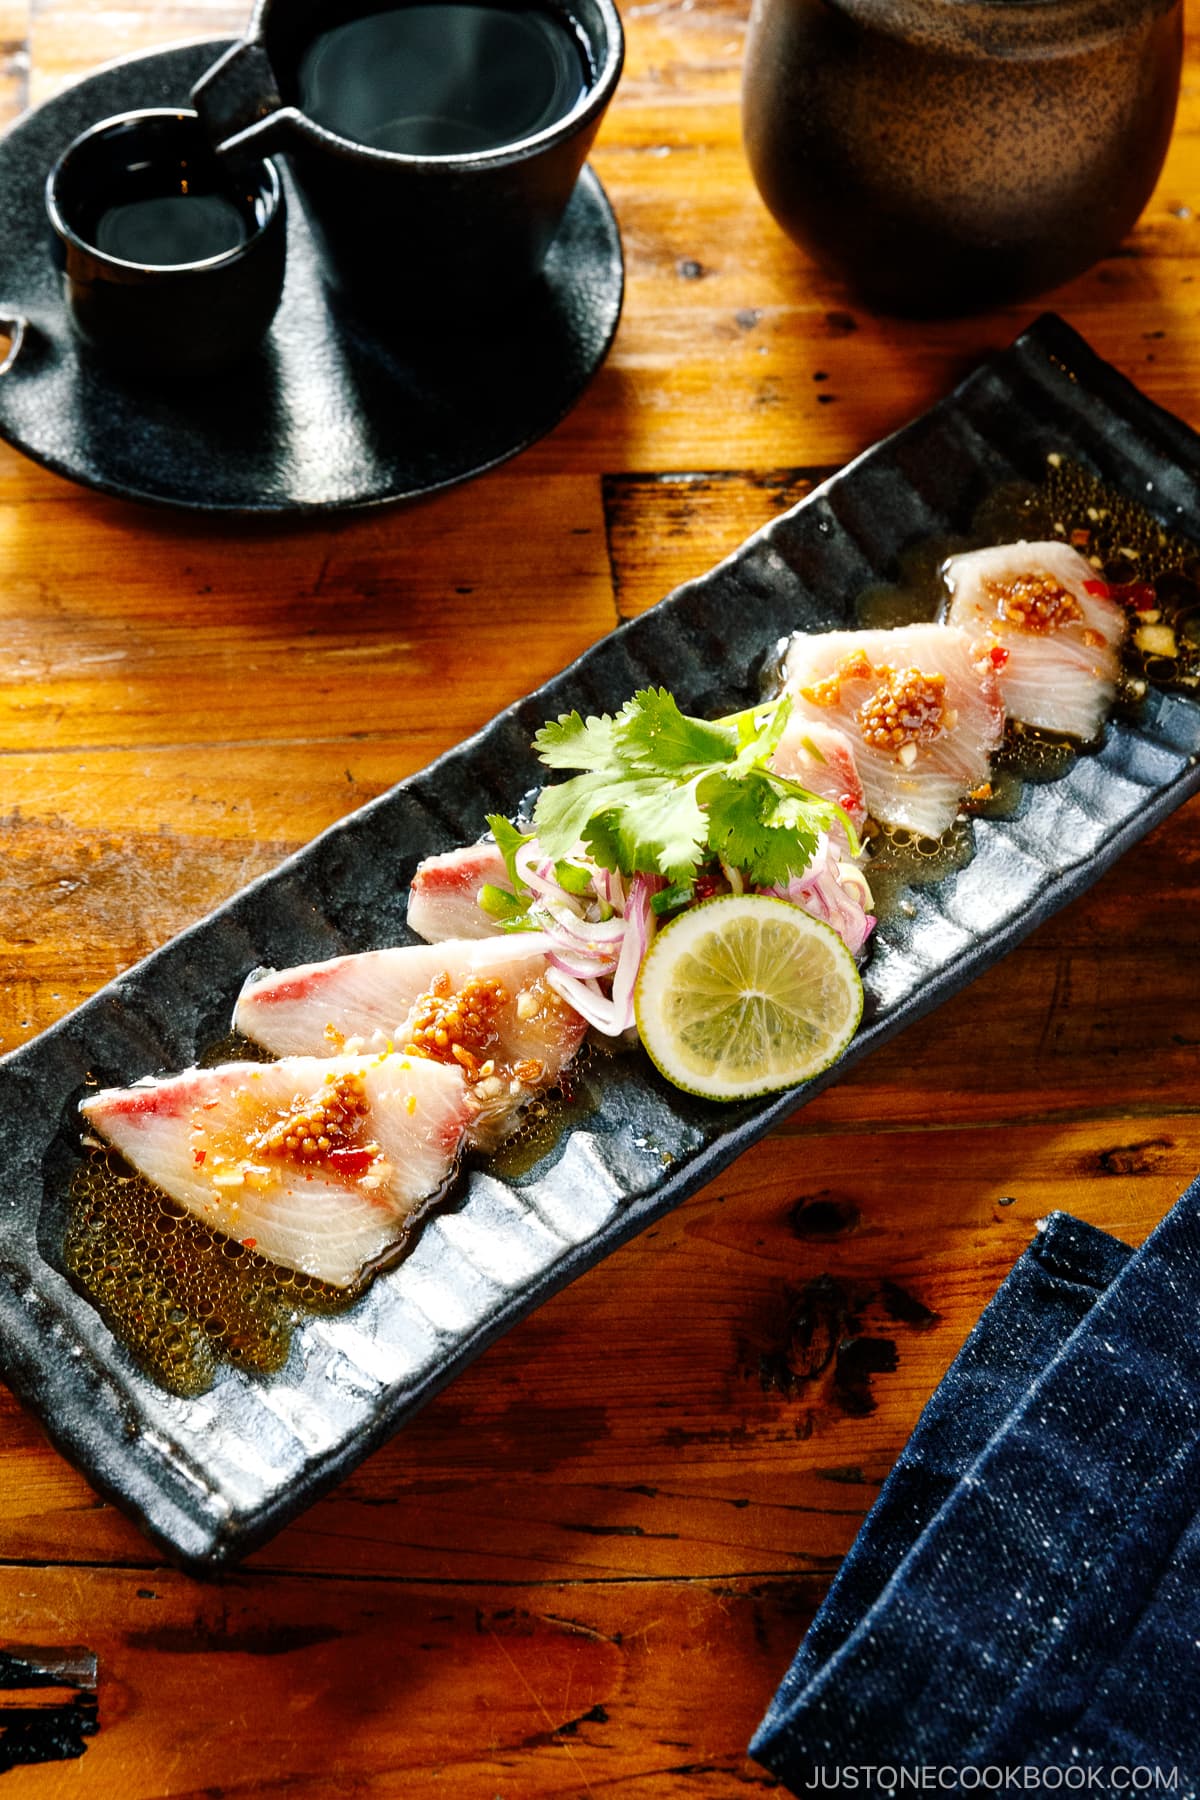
(821,758)
(229,1145)
(443,901)
(525,1036)
(922,713)
(1055,646)
(373,997)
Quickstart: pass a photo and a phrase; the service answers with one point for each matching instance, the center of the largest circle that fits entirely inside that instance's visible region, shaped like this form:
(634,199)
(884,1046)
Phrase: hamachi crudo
(821,759)
(1044,617)
(482,1006)
(920,707)
(318,1165)
(443,899)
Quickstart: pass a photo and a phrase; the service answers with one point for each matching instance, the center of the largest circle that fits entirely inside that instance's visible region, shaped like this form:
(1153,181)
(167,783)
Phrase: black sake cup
(406,237)
(165,318)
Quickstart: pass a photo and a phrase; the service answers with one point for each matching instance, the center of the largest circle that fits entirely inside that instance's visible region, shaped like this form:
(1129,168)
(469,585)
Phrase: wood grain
(583,1569)
(647,1421)
(539,1694)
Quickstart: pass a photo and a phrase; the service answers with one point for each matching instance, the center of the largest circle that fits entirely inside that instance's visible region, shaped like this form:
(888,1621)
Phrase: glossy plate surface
(326,415)
(211,1478)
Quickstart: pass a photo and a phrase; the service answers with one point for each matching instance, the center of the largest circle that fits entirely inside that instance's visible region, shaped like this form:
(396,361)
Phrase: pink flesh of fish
(1062,675)
(193,1135)
(443,899)
(821,758)
(920,783)
(370,999)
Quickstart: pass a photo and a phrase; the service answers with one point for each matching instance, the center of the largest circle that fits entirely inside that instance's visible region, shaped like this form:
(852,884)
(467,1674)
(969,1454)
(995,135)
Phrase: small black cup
(172,263)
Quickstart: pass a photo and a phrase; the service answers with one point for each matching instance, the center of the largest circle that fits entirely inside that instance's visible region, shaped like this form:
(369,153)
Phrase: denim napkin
(1021,1609)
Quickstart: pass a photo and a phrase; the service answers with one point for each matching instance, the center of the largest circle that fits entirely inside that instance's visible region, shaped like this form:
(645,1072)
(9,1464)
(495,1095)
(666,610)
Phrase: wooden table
(583,1569)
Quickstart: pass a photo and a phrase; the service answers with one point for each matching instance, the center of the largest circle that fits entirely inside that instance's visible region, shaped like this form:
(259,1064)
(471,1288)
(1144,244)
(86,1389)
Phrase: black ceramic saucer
(327,415)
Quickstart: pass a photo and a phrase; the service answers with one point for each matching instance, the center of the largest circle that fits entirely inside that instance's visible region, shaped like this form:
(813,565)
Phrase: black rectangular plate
(211,1478)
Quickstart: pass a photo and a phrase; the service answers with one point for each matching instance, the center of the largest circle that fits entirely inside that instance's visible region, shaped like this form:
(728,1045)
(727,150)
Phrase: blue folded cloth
(1022,1605)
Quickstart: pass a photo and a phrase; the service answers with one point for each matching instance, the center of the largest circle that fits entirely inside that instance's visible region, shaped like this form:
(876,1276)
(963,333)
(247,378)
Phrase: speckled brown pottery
(946,153)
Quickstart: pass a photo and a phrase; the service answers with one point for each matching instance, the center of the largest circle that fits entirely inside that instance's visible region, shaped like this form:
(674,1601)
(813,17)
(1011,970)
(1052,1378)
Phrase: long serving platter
(210,1478)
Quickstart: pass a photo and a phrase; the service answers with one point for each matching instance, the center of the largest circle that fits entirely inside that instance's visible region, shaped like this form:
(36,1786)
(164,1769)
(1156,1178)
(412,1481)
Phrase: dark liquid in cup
(445,80)
(167,230)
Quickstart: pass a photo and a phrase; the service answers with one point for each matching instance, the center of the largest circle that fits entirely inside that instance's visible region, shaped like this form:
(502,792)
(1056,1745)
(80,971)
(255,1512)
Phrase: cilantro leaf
(654,737)
(561,815)
(654,827)
(627,822)
(508,841)
(759,736)
(747,830)
(661,792)
(570,742)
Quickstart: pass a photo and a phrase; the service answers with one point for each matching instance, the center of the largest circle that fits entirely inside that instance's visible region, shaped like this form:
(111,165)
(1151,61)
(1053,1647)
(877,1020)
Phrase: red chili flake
(998,656)
(350,1162)
(249,1243)
(1140,595)
(198,1156)
(1080,537)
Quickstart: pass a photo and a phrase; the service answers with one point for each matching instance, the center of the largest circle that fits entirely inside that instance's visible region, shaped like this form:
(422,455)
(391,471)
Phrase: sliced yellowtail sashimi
(317,1164)
(443,900)
(1042,615)
(821,759)
(483,1007)
(921,709)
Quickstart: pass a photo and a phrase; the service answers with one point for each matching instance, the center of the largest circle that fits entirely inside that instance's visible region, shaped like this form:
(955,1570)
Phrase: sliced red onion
(531,866)
(563,914)
(587,1000)
(834,891)
(536,940)
(584,968)
(639,923)
(584,931)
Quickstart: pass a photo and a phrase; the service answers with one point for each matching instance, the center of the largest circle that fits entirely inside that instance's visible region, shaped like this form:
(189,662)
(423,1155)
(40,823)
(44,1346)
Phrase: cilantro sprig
(511,904)
(659,792)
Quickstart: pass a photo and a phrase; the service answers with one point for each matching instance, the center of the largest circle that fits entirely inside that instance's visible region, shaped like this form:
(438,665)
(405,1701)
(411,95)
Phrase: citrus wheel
(746,994)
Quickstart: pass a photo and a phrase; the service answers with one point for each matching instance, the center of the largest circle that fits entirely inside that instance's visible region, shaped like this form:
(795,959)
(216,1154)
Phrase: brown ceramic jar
(944,154)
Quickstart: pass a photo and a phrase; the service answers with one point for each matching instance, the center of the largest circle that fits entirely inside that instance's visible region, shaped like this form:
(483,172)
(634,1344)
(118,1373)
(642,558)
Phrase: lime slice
(745,994)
